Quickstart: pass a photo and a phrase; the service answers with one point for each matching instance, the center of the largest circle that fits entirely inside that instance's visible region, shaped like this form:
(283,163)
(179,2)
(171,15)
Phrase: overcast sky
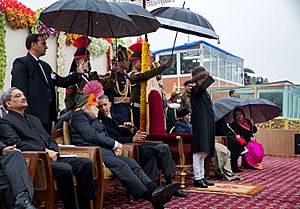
(265,33)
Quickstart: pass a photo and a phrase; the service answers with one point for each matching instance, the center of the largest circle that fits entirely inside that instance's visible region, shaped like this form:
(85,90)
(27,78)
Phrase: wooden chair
(105,177)
(180,144)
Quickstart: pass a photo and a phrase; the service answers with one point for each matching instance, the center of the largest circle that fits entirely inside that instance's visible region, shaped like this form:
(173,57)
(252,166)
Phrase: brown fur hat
(198,73)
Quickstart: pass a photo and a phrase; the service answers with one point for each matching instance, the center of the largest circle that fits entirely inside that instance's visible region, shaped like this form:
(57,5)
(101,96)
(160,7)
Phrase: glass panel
(214,65)
(234,73)
(170,70)
(229,71)
(275,97)
(206,61)
(189,60)
(240,74)
(222,68)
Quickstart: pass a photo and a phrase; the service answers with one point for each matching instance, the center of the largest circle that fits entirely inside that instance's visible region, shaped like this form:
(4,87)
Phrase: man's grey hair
(6,96)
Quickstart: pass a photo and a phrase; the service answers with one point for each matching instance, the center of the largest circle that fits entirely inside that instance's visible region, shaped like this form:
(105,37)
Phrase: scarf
(244,123)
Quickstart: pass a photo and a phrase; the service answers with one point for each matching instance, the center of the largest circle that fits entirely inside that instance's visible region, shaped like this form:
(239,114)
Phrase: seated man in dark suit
(16,189)
(27,133)
(152,156)
(87,130)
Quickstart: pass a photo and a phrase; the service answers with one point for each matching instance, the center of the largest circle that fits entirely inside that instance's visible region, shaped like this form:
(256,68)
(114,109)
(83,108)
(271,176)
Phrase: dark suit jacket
(122,135)
(26,132)
(86,131)
(28,77)
(2,146)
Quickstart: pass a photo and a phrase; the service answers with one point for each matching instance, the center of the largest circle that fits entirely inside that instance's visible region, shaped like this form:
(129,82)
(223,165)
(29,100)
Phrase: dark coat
(26,132)
(244,133)
(234,145)
(122,135)
(86,131)
(28,77)
(182,127)
(203,119)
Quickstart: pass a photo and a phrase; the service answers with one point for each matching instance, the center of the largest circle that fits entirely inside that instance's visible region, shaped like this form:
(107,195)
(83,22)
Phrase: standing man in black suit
(36,79)
(27,133)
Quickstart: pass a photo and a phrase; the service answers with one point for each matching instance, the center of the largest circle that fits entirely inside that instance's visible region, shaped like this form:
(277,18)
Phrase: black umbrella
(259,110)
(224,106)
(185,21)
(248,70)
(96,18)
(144,20)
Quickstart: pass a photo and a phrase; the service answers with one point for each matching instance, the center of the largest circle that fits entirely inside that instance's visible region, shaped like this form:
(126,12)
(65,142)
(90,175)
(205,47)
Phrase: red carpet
(280,177)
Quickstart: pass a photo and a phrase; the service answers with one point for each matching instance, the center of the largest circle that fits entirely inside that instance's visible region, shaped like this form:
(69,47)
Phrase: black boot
(23,201)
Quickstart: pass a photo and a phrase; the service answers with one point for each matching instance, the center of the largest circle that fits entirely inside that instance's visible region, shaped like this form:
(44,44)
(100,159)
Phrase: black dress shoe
(200,183)
(163,194)
(237,170)
(23,201)
(179,193)
(207,182)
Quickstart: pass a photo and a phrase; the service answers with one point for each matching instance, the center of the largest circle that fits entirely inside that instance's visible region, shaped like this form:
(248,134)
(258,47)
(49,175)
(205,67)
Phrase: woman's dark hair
(238,110)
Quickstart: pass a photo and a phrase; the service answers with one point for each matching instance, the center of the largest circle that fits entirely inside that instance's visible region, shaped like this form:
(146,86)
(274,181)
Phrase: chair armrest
(31,158)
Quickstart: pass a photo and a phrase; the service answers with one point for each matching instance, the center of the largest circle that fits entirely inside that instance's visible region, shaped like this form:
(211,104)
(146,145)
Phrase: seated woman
(245,128)
(236,144)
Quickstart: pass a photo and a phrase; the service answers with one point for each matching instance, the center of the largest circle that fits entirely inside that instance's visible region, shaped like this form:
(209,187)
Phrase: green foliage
(2,50)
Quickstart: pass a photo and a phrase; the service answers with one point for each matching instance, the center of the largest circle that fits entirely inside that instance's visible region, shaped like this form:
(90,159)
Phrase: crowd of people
(105,118)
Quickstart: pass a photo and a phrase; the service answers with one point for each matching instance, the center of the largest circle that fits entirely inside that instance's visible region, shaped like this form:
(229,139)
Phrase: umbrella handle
(176,35)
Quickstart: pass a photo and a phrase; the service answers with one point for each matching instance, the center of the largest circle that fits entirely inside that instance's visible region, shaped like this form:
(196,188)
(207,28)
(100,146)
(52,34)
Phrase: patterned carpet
(280,177)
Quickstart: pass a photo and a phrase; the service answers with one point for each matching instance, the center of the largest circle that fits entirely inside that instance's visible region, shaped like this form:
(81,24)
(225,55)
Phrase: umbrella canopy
(248,70)
(224,106)
(260,110)
(185,21)
(96,18)
(145,21)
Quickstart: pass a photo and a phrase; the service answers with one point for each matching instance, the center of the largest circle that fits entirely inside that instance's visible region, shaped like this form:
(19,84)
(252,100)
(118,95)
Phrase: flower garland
(61,66)
(71,37)
(145,67)
(108,53)
(40,27)
(17,14)
(98,46)
(2,50)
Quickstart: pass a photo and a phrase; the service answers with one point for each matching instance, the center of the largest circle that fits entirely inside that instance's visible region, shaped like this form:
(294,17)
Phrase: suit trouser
(128,171)
(63,171)
(14,178)
(154,156)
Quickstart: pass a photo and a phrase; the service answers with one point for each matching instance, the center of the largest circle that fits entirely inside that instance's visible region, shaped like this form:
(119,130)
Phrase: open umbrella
(185,21)
(144,20)
(96,18)
(224,106)
(248,70)
(259,110)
